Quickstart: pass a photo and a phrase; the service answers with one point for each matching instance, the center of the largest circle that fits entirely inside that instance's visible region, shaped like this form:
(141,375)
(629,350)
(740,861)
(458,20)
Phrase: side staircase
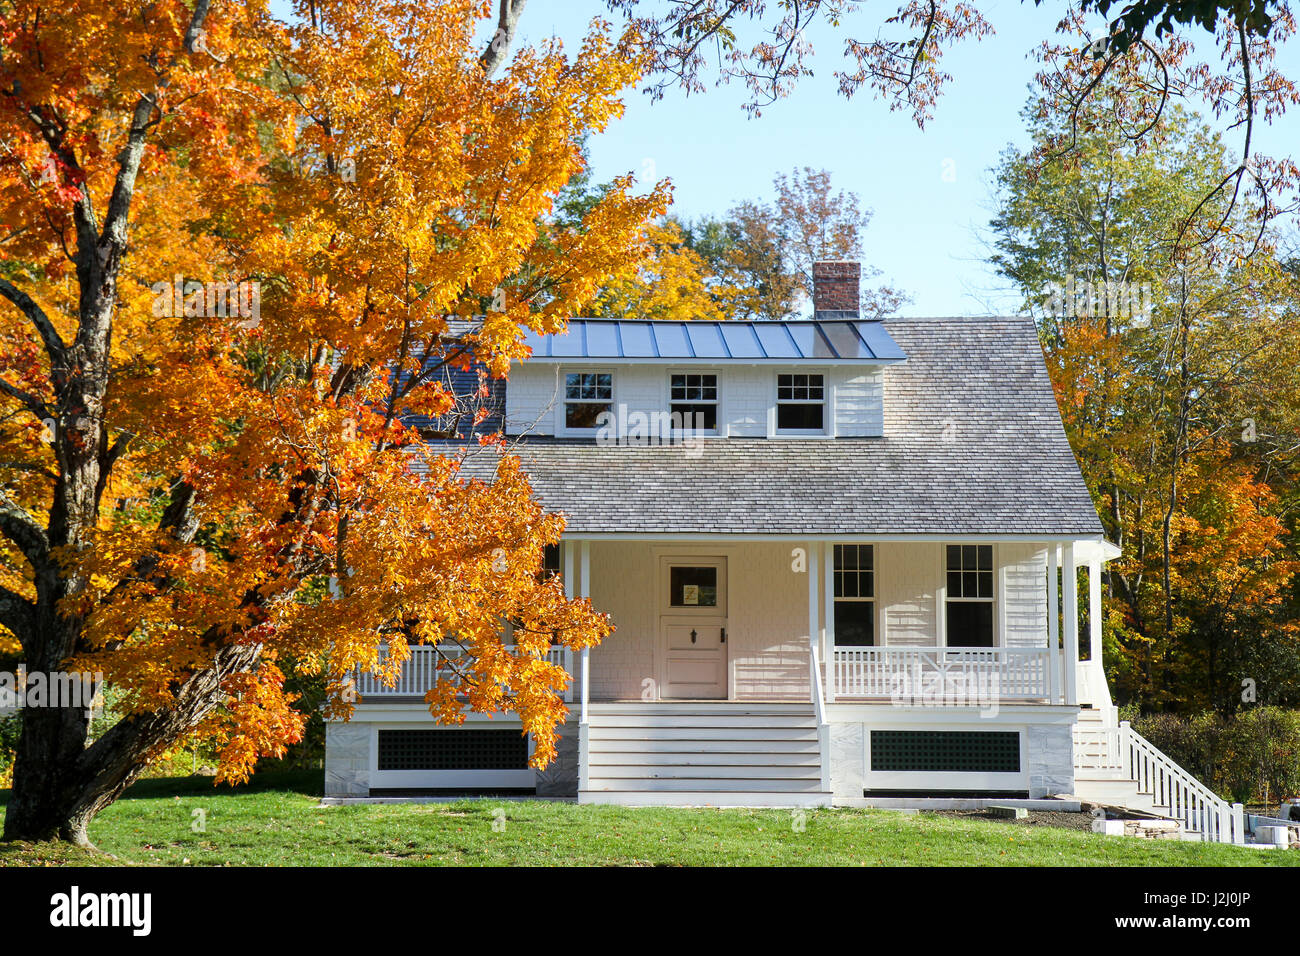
(719,753)
(1117,766)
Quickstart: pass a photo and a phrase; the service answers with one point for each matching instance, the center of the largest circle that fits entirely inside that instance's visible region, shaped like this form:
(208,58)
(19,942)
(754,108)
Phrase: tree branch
(54,345)
(507,21)
(30,402)
(17,613)
(21,528)
(195,28)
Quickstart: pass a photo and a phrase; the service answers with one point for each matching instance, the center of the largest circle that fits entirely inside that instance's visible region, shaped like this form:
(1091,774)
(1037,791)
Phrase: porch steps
(1095,782)
(716,753)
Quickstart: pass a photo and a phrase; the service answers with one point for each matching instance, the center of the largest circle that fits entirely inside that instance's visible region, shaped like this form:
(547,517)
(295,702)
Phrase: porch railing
(427,665)
(1173,791)
(819,710)
(942,675)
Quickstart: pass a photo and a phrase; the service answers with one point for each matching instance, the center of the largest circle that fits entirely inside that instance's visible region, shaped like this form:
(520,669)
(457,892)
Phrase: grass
(277,821)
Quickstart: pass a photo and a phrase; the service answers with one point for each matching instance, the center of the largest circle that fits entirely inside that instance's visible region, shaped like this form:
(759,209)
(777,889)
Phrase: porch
(733,678)
(744,620)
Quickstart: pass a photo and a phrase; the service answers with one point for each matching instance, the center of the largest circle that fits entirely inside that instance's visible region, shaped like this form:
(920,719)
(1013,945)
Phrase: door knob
(692,635)
(724,635)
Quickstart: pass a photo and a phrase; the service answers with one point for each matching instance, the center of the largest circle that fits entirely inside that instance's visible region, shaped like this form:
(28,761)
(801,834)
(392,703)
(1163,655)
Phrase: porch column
(1070,613)
(814,602)
(1094,612)
(585,591)
(828,624)
(1053,619)
(584,730)
(584,578)
(567,548)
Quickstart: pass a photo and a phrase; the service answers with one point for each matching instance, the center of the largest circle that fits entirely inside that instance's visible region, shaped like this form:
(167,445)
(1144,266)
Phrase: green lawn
(277,821)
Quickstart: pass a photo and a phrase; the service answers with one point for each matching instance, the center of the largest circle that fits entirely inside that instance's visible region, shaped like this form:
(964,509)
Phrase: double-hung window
(800,403)
(586,396)
(969,602)
(693,401)
(550,562)
(855,595)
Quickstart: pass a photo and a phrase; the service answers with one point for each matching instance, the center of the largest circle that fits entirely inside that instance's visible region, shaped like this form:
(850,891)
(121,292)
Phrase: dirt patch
(1037,818)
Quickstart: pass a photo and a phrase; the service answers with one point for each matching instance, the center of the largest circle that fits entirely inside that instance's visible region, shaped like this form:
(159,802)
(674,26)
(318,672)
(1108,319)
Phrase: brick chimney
(835,290)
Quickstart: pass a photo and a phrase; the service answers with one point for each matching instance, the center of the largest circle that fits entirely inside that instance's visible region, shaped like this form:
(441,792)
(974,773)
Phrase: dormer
(797,379)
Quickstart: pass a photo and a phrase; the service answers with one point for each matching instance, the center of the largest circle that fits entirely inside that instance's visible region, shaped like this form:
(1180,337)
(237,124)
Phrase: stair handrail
(819,708)
(814,667)
(1227,819)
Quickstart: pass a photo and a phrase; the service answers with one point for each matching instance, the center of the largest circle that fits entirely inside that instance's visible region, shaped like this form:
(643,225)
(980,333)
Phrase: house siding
(533,395)
(907,587)
(534,400)
(769,624)
(746,402)
(623,586)
(858,403)
(1024,593)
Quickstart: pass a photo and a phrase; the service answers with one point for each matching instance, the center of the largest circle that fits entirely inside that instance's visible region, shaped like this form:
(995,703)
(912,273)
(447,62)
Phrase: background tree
(1216,55)
(1172,361)
(194,486)
(753,263)
(672,282)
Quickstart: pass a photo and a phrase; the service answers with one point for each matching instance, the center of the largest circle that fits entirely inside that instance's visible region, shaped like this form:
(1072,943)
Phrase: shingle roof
(973,444)
(622,340)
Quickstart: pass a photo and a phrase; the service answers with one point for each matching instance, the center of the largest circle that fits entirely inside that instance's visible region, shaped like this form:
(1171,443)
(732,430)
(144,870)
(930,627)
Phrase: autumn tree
(1170,329)
(673,281)
(753,263)
(1217,55)
(237,250)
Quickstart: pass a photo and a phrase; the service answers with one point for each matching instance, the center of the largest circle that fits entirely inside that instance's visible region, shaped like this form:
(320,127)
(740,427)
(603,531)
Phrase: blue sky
(931,191)
(929,233)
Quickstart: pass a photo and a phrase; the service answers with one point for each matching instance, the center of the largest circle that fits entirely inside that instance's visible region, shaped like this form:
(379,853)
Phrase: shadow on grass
(307,782)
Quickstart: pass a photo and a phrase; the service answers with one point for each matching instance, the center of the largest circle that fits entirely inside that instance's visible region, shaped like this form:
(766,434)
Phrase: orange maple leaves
(391,204)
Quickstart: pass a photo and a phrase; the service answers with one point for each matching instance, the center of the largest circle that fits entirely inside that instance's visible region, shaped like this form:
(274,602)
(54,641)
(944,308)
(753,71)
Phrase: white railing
(1186,798)
(943,675)
(1173,791)
(428,664)
(1098,748)
(819,708)
(815,681)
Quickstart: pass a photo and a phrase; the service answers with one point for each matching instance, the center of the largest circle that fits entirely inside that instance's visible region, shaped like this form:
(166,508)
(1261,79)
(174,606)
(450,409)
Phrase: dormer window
(801,403)
(694,401)
(586,396)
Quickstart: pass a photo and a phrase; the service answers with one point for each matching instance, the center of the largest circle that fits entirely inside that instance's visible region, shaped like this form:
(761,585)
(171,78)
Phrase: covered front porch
(755,619)
(784,670)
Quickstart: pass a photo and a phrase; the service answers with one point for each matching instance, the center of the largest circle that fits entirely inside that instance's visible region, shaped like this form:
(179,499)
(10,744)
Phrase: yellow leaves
(374,184)
(260,722)
(670,283)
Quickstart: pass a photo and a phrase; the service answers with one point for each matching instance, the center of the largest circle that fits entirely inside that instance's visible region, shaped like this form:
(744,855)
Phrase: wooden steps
(716,753)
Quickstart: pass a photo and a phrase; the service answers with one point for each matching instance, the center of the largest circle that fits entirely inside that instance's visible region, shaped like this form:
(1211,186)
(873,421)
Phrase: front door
(693,628)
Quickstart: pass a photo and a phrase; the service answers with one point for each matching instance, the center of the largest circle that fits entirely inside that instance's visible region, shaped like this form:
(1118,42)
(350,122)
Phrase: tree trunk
(60,784)
(45,788)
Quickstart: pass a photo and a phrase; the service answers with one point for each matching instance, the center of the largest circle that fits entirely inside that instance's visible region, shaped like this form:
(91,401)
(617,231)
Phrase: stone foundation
(560,778)
(347,760)
(1051,759)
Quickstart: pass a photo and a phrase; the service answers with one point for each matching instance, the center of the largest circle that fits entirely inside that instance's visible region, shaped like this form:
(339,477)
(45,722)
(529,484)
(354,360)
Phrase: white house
(844,583)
